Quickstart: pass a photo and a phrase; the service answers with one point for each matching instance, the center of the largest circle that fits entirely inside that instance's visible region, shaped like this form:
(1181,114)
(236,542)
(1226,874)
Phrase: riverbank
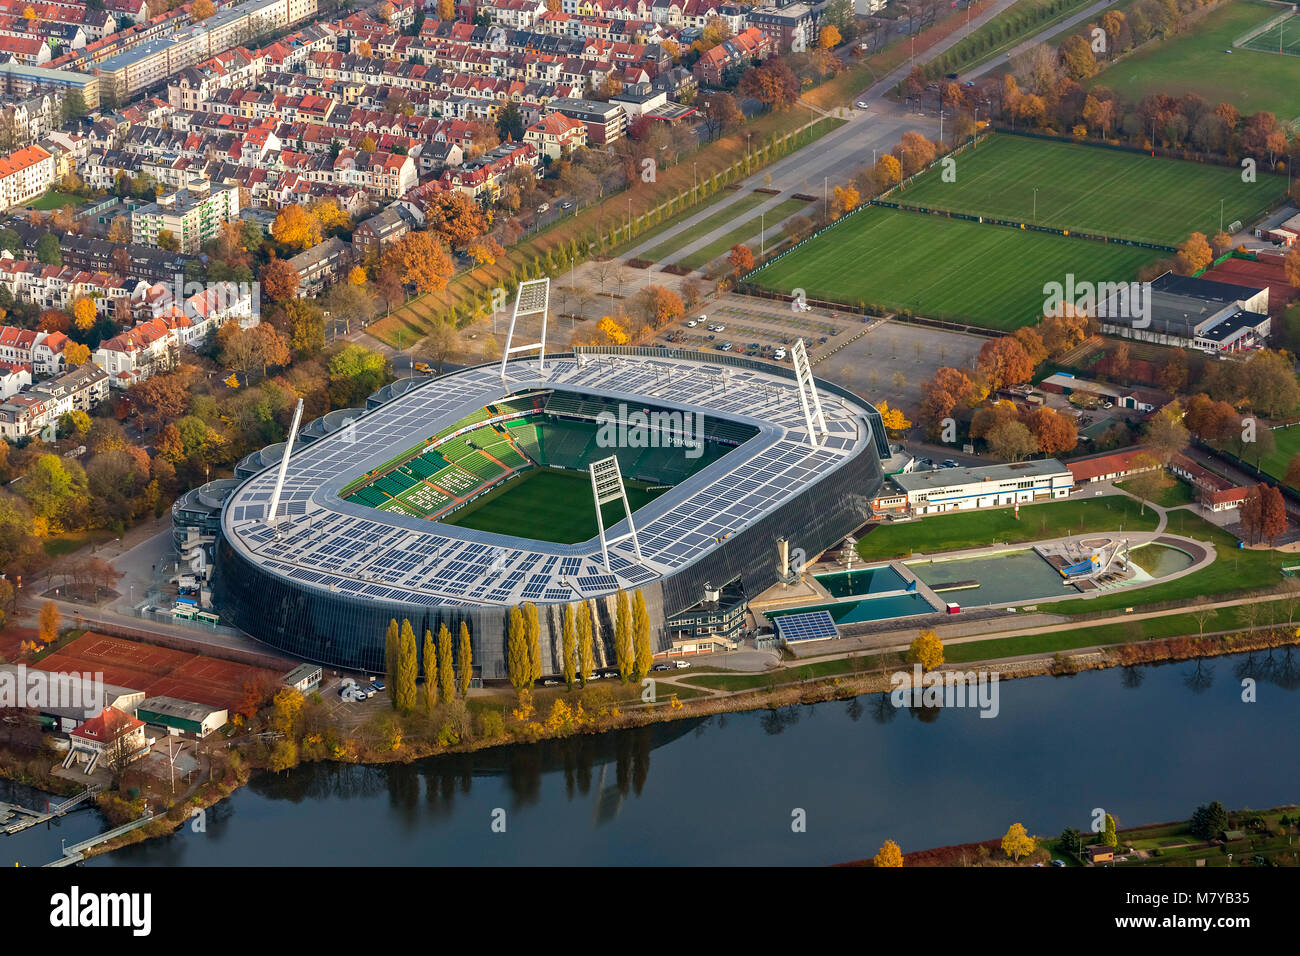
(234,767)
(1242,838)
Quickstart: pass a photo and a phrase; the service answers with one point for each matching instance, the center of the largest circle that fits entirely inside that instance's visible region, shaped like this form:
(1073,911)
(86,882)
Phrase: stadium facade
(323,581)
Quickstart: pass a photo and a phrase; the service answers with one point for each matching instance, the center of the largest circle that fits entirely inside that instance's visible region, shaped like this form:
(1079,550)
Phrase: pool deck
(995,618)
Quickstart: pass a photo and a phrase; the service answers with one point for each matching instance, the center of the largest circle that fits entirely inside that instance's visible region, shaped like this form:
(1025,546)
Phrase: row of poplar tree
(442,680)
(632,650)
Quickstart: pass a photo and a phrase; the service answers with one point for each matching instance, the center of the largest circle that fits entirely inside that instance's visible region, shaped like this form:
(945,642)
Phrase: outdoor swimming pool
(1159,560)
(875,580)
(869,609)
(1002,578)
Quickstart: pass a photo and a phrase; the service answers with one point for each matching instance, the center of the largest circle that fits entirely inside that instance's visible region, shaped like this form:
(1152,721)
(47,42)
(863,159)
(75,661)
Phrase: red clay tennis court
(1266,271)
(158,671)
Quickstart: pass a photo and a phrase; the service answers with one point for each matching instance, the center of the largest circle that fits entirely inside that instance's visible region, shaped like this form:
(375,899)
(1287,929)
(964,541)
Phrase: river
(1147,744)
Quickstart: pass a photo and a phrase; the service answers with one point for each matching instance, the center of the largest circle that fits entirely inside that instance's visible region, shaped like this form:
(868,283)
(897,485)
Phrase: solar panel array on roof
(808,626)
(401,556)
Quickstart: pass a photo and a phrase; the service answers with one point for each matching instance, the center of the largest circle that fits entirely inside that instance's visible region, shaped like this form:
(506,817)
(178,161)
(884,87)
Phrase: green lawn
(61,544)
(1093,189)
(1196,62)
(976,529)
(675,219)
(713,221)
(1005,31)
(751,229)
(1175,625)
(991,276)
(55,200)
(548,505)
(1057,39)
(1173,495)
(1236,569)
(1288,446)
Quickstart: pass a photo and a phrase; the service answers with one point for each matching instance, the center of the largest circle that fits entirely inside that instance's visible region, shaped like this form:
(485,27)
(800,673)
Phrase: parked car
(726,346)
(661,667)
(720,328)
(950,463)
(779,355)
(681,664)
(550,683)
(378,685)
(691,323)
(566,204)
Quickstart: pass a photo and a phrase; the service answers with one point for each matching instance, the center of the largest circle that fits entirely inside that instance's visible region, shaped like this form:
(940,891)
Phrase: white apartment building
(192,215)
(25,175)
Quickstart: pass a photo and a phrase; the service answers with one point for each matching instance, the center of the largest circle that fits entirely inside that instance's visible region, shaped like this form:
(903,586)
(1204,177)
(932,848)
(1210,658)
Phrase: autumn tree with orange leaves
(741,259)
(279,280)
(296,227)
(421,259)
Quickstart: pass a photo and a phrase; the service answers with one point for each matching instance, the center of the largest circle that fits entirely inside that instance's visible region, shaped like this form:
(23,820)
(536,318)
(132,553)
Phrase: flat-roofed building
(181,717)
(989,486)
(192,215)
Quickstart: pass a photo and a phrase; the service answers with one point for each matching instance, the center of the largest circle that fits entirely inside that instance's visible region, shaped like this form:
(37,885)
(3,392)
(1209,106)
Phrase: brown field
(158,671)
(1267,271)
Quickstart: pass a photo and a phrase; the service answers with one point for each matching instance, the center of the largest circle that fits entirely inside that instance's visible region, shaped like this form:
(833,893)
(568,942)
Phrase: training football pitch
(548,505)
(991,276)
(1282,37)
(1204,61)
(1095,190)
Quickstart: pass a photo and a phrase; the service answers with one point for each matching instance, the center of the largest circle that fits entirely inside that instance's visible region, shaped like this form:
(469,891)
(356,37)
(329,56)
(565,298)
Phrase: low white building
(965,489)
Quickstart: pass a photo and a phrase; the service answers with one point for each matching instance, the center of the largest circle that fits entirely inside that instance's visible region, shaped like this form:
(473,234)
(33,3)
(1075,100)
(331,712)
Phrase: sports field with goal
(549,505)
(1282,38)
(1091,189)
(991,276)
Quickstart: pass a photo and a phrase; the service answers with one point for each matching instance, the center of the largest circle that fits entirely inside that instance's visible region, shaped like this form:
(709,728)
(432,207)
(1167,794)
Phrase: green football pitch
(992,276)
(1282,37)
(1095,190)
(548,505)
(1204,61)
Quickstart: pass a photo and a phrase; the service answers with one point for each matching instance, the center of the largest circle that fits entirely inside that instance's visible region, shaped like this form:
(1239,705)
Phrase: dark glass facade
(344,631)
(341,630)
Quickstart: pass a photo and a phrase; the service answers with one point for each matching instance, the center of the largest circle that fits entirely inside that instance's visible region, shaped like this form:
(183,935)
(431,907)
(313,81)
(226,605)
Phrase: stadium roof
(327,543)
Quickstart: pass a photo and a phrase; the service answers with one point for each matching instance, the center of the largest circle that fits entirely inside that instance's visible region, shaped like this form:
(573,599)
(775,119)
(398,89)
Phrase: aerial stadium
(551,479)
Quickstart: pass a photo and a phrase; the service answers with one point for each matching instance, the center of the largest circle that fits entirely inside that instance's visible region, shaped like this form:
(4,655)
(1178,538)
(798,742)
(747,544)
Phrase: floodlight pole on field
(531,298)
(607,485)
(272,518)
(808,397)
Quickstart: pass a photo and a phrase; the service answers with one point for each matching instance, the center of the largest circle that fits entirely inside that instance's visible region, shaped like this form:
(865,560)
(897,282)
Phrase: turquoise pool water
(869,609)
(1002,578)
(864,581)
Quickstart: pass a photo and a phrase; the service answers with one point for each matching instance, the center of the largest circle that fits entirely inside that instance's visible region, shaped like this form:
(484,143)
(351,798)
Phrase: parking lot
(757,328)
(894,360)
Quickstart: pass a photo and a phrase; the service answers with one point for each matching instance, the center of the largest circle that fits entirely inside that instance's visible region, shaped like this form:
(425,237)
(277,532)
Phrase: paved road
(835,157)
(1000,62)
